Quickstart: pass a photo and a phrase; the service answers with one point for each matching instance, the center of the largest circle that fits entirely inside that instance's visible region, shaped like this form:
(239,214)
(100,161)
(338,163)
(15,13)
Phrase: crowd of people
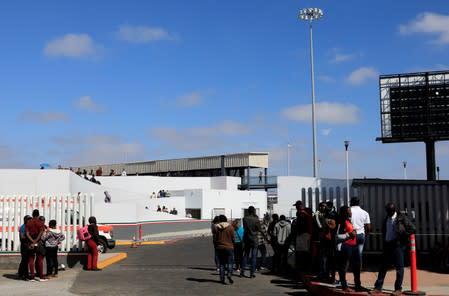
(160,194)
(164,209)
(39,242)
(324,243)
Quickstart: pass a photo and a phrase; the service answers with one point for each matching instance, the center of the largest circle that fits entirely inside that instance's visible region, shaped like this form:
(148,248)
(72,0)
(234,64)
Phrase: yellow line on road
(129,243)
(112,260)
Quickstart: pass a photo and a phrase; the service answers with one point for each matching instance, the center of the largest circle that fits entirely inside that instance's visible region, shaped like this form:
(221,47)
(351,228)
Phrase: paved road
(182,268)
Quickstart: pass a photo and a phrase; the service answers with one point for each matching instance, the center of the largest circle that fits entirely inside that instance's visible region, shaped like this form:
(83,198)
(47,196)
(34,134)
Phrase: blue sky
(92,82)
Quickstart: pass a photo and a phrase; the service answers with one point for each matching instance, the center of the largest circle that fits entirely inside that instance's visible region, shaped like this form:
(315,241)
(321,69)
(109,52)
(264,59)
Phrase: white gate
(70,213)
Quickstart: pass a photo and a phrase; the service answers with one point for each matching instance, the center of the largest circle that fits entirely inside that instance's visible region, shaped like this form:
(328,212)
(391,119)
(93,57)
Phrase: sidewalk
(430,282)
(11,285)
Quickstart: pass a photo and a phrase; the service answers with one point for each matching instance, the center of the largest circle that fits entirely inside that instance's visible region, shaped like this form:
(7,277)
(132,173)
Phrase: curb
(107,262)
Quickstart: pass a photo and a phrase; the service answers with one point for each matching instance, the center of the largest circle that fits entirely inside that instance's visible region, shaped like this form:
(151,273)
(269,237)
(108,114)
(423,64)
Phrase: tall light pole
(404,163)
(347,169)
(311,14)
(289,146)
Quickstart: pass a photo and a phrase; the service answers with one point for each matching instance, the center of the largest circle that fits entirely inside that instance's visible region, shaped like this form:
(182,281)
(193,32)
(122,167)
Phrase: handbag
(41,248)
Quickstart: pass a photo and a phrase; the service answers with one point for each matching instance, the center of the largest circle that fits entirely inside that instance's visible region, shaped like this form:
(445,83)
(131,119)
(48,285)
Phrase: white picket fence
(70,213)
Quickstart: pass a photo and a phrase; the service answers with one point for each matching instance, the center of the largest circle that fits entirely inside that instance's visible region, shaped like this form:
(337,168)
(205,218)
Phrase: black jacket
(93,230)
(403,228)
(251,226)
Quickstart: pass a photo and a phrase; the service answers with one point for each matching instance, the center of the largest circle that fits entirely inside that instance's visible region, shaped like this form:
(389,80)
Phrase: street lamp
(347,169)
(311,14)
(404,163)
(289,146)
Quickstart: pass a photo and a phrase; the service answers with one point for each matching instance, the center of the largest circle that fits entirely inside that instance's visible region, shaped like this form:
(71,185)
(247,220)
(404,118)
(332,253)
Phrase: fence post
(413,270)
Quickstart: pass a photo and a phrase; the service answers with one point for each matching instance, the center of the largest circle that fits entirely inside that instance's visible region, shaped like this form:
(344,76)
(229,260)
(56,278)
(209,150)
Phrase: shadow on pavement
(288,283)
(12,276)
(203,280)
(203,268)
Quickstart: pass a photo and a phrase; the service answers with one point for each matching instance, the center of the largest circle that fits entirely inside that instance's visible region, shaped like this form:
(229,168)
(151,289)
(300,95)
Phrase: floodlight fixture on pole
(311,14)
(347,169)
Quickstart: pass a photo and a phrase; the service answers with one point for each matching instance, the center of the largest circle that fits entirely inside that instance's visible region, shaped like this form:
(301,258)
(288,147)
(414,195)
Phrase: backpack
(83,233)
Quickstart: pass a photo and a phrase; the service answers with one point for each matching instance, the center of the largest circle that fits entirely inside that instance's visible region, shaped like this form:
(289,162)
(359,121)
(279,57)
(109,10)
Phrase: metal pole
(405,169)
(312,74)
(347,170)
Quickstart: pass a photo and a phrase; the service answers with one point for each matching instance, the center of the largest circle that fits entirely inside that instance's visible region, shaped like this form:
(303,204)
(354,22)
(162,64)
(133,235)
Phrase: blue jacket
(239,234)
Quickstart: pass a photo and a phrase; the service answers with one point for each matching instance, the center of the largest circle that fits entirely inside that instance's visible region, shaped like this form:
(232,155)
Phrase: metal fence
(425,202)
(70,213)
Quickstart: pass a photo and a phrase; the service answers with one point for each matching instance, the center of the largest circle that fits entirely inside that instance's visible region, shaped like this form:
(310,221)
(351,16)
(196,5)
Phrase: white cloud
(44,117)
(97,149)
(334,113)
(340,57)
(73,46)
(86,103)
(229,127)
(429,23)
(361,75)
(325,78)
(326,131)
(199,138)
(189,100)
(142,34)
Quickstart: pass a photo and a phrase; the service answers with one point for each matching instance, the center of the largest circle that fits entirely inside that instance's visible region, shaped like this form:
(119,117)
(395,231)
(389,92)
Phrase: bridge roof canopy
(202,163)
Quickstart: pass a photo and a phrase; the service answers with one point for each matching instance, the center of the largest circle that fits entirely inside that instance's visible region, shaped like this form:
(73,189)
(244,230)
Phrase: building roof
(228,161)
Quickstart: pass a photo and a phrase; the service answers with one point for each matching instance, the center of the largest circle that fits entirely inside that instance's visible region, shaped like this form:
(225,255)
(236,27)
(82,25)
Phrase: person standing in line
(224,238)
(273,242)
(362,224)
(52,239)
(251,225)
(301,234)
(262,237)
(213,227)
(34,231)
(332,219)
(396,230)
(41,251)
(123,173)
(24,244)
(348,252)
(238,245)
(92,243)
(325,242)
(281,232)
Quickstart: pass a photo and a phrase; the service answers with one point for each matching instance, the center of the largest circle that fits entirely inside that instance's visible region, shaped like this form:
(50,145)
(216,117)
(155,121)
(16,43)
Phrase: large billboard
(414,107)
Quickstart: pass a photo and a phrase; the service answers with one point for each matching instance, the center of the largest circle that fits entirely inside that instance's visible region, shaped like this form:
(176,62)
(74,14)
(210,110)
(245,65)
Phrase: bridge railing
(259,180)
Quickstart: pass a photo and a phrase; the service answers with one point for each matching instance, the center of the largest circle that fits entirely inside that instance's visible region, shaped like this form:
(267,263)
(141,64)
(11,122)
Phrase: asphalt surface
(184,267)
(181,268)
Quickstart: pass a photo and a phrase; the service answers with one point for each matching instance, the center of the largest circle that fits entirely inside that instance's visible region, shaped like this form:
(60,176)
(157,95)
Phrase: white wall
(225,183)
(290,187)
(131,194)
(232,202)
(34,182)
(149,184)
